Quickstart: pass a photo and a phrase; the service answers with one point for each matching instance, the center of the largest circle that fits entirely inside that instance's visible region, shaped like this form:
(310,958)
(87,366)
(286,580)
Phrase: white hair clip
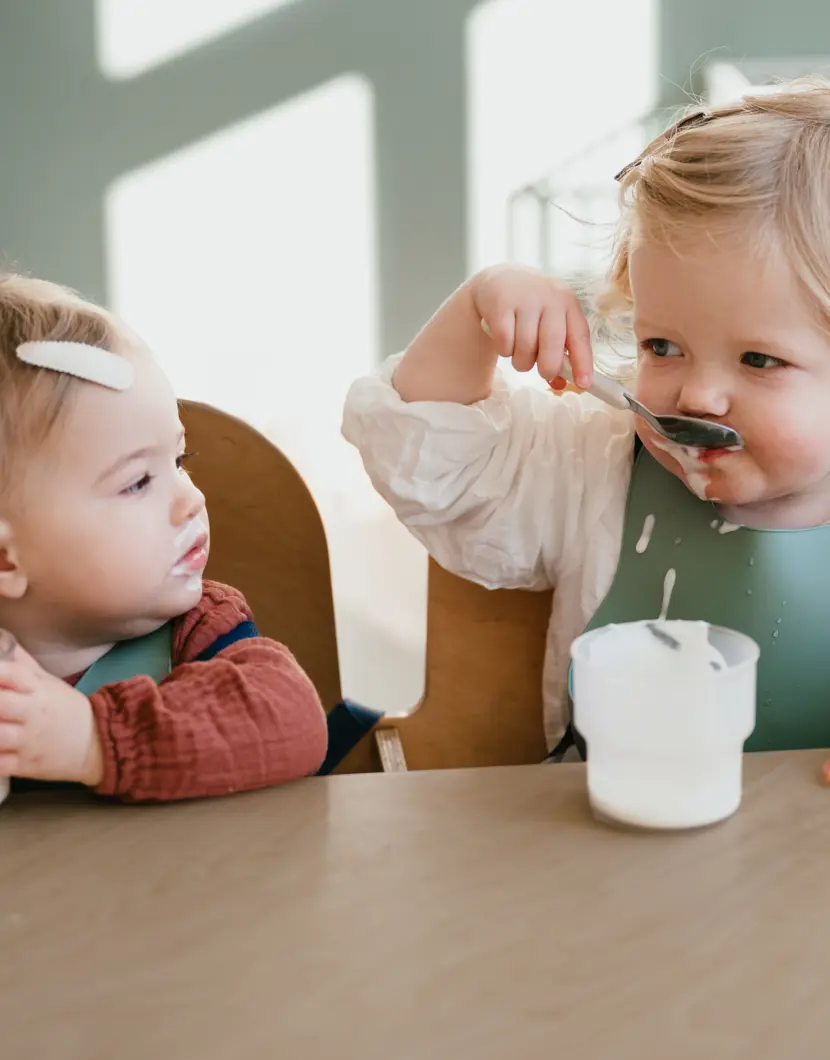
(76,358)
(85,361)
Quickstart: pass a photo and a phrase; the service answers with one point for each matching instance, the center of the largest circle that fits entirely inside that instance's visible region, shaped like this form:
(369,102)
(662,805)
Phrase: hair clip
(697,117)
(84,362)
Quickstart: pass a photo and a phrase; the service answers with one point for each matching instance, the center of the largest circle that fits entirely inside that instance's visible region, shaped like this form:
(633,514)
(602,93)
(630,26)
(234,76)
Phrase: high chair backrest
(483,699)
(267,538)
(482,704)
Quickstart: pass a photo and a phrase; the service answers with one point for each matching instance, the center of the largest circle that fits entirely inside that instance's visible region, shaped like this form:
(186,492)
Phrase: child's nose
(189,502)
(704,393)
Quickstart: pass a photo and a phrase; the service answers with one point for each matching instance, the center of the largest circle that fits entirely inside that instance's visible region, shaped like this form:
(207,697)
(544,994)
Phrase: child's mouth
(194,560)
(709,456)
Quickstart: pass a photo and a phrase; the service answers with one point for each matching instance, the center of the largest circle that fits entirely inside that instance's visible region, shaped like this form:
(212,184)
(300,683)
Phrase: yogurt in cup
(665,708)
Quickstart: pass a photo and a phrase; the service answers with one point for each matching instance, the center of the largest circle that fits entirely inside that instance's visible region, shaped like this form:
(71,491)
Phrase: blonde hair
(32,399)
(760,166)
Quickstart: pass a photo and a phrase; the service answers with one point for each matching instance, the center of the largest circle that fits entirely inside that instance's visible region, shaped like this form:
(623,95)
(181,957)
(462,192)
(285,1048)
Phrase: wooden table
(475,914)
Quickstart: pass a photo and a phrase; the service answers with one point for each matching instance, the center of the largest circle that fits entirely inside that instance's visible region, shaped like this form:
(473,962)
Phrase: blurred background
(278,193)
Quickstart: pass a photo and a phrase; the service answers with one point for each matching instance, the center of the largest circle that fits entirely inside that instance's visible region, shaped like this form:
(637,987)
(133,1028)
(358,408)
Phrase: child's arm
(507,487)
(247,718)
(531,318)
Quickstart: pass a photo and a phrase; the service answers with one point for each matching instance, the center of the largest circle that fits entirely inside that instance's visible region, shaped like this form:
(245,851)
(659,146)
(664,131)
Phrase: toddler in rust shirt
(120,668)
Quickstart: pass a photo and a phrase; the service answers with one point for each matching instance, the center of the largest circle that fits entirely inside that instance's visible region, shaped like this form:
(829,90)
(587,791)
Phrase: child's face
(107,513)
(728,335)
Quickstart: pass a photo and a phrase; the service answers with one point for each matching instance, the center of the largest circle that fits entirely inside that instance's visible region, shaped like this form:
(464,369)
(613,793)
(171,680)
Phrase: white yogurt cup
(664,728)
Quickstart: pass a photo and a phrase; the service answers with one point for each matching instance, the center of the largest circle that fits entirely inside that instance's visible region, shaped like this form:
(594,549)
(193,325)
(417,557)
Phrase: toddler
(120,668)
(722,272)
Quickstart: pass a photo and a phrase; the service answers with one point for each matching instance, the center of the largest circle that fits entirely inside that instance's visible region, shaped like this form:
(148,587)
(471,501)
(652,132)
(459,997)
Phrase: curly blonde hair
(32,399)
(760,166)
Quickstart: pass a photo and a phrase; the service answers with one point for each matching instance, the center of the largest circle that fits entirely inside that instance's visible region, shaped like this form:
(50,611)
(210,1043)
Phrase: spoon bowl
(687,431)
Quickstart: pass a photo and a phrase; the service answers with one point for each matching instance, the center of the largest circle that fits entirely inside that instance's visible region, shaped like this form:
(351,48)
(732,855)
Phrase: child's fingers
(9,764)
(14,679)
(526,345)
(15,707)
(578,342)
(8,645)
(551,344)
(11,737)
(826,772)
(502,330)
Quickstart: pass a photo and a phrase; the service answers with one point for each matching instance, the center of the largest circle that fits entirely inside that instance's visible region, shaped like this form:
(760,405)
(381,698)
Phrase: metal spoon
(682,430)
(658,631)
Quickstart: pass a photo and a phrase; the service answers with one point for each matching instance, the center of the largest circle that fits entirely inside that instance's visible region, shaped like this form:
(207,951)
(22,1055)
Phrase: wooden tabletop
(474,914)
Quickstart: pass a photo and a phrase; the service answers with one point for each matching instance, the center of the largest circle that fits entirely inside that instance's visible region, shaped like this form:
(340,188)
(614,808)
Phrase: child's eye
(761,360)
(182,459)
(138,487)
(659,347)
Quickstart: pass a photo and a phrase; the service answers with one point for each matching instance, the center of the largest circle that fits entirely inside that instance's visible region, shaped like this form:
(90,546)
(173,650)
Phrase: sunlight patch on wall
(133,36)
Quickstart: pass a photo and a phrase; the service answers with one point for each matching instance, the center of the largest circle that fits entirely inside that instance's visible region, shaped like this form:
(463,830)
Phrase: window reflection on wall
(136,35)
(547,81)
(553,87)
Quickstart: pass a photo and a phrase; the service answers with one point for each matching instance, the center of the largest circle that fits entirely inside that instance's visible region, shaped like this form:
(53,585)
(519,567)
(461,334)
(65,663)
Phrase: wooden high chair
(483,698)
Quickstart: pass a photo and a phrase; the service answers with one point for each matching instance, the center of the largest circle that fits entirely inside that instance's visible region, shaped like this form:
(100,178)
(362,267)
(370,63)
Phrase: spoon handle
(607,390)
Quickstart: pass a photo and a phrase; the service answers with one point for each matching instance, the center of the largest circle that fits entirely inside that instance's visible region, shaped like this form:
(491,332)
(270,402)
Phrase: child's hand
(534,320)
(47,729)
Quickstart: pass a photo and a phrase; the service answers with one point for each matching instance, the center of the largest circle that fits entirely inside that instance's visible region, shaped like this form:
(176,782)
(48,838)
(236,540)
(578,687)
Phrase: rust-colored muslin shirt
(247,718)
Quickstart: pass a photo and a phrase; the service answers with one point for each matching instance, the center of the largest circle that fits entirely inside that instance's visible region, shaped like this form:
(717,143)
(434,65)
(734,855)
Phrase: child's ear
(13,582)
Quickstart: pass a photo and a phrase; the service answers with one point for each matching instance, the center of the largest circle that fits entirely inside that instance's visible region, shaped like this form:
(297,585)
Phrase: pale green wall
(735,29)
(67,133)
